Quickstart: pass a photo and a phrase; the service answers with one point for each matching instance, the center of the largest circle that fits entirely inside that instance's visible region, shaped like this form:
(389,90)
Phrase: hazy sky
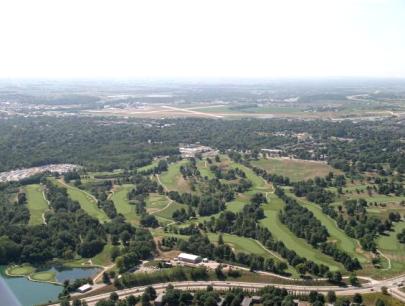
(207,38)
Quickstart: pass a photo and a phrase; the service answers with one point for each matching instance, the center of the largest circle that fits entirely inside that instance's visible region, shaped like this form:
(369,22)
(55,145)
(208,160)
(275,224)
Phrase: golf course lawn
(168,212)
(148,167)
(122,205)
(20,270)
(46,276)
(172,178)
(241,244)
(36,203)
(296,170)
(343,242)
(156,202)
(204,168)
(86,201)
(292,242)
(390,242)
(103,258)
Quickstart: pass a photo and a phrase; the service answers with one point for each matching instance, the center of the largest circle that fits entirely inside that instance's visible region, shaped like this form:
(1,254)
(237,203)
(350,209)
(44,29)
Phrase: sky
(201,38)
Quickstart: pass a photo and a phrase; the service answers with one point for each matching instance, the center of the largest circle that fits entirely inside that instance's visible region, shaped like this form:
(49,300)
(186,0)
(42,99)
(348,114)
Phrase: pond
(19,291)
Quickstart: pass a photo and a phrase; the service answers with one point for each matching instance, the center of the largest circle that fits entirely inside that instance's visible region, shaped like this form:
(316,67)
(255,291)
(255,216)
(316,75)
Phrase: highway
(374,286)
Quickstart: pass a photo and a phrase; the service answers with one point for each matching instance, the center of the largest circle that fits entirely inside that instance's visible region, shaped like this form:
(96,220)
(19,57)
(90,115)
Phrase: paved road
(375,286)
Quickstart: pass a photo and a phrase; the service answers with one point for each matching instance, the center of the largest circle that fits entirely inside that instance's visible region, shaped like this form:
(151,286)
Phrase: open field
(296,170)
(281,232)
(87,202)
(122,205)
(36,203)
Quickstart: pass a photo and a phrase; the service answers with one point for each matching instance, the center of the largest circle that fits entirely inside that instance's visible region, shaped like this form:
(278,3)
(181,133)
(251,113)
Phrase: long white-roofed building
(189,258)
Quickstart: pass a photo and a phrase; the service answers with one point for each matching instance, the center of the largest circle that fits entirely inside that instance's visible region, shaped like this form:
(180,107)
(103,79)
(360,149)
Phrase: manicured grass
(46,276)
(172,178)
(343,242)
(103,258)
(122,205)
(155,202)
(241,244)
(296,170)
(86,201)
(20,270)
(282,233)
(36,203)
(148,167)
(390,242)
(204,169)
(168,212)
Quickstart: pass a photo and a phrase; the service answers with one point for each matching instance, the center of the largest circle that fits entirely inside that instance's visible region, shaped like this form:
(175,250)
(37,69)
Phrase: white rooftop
(85,287)
(188,256)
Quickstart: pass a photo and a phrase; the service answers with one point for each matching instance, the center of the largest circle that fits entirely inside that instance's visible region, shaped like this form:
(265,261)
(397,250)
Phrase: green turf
(282,233)
(46,276)
(20,270)
(204,169)
(168,212)
(156,202)
(296,170)
(87,202)
(36,203)
(390,242)
(103,258)
(148,167)
(120,199)
(343,242)
(172,178)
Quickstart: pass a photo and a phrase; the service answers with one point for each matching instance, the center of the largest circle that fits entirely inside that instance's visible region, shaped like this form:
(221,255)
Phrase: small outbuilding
(84,288)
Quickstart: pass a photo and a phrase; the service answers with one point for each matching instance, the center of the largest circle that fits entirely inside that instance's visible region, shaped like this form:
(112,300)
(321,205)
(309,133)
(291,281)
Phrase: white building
(189,258)
(84,288)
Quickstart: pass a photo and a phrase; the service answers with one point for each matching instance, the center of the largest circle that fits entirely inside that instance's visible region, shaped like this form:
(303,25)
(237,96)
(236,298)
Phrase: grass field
(148,167)
(103,258)
(156,202)
(204,169)
(168,212)
(20,270)
(282,233)
(296,170)
(122,205)
(36,203)
(46,276)
(86,201)
(172,178)
(343,242)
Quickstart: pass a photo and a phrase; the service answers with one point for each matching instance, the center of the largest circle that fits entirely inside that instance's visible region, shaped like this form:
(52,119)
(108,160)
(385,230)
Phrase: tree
(353,280)
(379,302)
(114,296)
(151,292)
(384,290)
(106,278)
(357,298)
(331,297)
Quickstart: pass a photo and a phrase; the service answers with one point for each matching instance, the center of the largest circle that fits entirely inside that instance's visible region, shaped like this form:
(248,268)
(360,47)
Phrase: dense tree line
(128,144)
